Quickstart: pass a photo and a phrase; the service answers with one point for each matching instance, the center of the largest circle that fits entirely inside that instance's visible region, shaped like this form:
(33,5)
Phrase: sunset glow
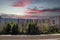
(30,7)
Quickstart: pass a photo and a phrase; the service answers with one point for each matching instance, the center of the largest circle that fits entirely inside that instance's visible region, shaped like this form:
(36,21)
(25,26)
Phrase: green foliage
(32,29)
(11,29)
(53,29)
(44,29)
(1,29)
(15,29)
(7,29)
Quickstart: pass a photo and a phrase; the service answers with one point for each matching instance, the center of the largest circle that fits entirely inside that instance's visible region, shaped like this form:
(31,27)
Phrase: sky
(30,7)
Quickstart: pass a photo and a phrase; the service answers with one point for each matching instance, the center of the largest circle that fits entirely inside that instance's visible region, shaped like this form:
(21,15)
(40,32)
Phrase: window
(53,21)
(43,21)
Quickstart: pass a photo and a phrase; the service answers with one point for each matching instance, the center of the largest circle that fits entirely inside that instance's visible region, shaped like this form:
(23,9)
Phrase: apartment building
(23,22)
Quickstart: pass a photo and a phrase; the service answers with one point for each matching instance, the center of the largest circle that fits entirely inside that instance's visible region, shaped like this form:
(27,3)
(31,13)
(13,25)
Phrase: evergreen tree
(33,29)
(15,29)
(7,29)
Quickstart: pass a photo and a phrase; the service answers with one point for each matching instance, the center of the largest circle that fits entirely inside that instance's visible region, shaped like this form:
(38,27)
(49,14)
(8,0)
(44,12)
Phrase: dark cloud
(35,10)
(52,9)
(47,1)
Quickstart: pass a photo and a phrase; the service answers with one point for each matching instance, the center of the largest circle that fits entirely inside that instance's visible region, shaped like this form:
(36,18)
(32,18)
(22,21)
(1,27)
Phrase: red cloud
(34,11)
(22,4)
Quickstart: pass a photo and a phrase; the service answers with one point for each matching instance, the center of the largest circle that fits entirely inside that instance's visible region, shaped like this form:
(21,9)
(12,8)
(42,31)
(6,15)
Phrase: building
(23,22)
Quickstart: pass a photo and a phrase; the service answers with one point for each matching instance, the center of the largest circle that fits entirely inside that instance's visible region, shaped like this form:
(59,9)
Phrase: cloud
(22,3)
(36,11)
(52,10)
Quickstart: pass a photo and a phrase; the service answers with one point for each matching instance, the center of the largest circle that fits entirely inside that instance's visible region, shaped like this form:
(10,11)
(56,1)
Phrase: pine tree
(7,29)
(33,29)
(15,29)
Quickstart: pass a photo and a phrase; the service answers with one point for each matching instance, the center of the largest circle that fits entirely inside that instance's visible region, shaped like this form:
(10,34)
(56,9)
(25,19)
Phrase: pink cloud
(22,4)
(34,11)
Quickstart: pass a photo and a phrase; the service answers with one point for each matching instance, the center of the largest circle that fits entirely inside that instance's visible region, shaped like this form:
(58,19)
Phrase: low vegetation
(30,29)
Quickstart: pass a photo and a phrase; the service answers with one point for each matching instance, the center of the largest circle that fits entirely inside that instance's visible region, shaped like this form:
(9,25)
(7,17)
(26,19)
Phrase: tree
(15,29)
(7,29)
(44,29)
(54,29)
(32,29)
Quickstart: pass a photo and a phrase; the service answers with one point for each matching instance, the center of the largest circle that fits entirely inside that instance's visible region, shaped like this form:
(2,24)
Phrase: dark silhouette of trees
(32,29)
(11,28)
(7,29)
(15,29)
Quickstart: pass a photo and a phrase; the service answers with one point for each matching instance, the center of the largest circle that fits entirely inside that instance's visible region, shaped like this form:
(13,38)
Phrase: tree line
(30,29)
